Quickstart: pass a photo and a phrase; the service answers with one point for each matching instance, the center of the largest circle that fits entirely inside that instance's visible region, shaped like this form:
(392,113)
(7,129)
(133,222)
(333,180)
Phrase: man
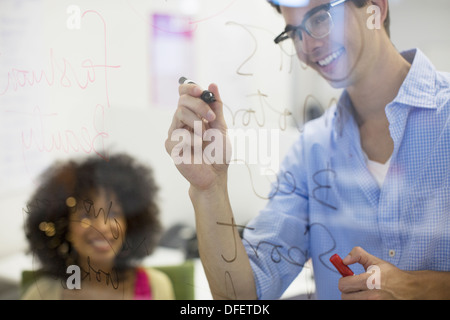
(370,179)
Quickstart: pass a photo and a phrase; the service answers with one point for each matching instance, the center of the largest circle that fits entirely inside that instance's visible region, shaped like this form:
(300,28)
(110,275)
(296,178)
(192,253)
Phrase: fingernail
(197,91)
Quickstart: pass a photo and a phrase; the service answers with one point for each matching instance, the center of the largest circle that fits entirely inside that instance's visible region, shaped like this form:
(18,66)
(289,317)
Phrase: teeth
(331,58)
(99,243)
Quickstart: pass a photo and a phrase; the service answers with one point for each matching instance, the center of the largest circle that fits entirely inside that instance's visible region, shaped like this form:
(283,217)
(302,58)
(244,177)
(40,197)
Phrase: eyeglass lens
(318,26)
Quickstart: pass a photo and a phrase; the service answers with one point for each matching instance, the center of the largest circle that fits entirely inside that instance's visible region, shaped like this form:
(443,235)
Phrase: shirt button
(392,253)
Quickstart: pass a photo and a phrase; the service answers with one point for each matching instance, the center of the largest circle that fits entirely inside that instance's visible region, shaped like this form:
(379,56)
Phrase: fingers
(191,109)
(180,146)
(359,255)
(188,114)
(361,286)
(190,98)
(217,107)
(354,283)
(356,288)
(195,115)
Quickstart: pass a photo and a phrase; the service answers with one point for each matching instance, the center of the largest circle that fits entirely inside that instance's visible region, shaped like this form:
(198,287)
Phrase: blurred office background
(85,77)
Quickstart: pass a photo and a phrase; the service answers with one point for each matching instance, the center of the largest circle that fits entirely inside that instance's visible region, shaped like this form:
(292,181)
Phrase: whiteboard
(93,77)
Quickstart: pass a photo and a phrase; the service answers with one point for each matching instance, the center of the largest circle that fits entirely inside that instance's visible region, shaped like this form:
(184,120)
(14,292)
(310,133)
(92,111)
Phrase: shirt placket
(391,192)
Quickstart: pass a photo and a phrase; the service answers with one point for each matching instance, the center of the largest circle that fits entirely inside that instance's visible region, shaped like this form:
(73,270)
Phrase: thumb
(359,255)
(217,106)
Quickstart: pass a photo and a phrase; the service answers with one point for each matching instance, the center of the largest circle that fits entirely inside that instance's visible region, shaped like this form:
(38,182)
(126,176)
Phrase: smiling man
(370,179)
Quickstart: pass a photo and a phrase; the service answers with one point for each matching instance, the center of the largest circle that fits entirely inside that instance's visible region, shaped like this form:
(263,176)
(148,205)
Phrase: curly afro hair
(48,209)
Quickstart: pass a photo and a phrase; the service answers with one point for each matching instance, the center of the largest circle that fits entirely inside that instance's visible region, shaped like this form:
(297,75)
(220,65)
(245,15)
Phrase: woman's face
(97,230)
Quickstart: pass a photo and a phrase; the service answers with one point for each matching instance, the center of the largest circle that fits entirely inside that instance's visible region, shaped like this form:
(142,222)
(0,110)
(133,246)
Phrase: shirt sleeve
(276,240)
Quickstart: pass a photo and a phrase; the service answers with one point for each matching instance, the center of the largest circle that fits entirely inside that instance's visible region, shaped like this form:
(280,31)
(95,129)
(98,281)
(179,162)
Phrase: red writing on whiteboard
(62,72)
(86,140)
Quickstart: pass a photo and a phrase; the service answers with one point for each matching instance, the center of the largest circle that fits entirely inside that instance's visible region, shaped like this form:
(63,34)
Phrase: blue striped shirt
(326,201)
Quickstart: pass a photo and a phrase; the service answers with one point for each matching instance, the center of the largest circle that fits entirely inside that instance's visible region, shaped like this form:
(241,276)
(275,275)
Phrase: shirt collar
(417,90)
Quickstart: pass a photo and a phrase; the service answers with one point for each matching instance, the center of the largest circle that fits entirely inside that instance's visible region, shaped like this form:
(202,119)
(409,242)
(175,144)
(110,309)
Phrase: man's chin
(336,81)
(338,84)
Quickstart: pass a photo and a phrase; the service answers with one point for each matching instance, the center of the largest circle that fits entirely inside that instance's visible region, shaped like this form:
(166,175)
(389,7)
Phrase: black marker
(206,96)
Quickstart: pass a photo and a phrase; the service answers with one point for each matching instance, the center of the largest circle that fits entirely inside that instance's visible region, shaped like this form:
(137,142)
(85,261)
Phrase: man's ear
(383,6)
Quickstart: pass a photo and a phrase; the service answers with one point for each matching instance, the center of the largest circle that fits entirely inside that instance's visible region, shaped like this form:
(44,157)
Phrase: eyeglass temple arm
(283,36)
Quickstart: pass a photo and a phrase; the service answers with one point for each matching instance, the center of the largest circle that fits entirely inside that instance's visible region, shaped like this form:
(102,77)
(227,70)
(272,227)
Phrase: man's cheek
(303,57)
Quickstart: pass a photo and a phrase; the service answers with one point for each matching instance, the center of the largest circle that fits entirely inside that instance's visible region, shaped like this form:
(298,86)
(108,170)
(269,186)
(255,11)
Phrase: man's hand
(393,282)
(202,156)
(195,126)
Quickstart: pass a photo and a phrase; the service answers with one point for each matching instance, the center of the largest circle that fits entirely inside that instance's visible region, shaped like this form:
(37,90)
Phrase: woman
(90,223)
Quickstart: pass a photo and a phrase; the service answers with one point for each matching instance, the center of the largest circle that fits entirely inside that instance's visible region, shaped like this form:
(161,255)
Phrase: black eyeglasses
(317,23)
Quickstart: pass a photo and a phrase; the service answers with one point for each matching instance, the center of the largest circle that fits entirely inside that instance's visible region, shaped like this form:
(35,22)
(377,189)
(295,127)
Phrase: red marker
(344,270)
